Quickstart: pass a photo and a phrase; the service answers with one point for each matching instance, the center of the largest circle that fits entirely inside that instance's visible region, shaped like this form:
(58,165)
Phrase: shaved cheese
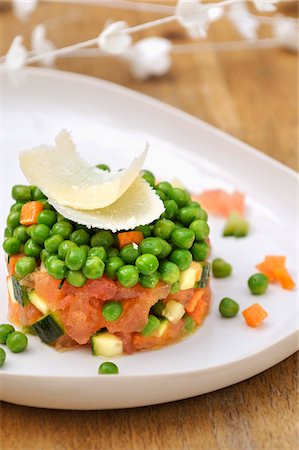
(139,205)
(62,175)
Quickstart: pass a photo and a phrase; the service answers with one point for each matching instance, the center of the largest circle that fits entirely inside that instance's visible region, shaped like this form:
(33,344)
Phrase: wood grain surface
(252,95)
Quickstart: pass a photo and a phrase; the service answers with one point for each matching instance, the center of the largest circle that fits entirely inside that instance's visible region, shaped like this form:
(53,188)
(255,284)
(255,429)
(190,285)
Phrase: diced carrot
(13,261)
(202,307)
(130,237)
(191,305)
(274,268)
(30,212)
(254,315)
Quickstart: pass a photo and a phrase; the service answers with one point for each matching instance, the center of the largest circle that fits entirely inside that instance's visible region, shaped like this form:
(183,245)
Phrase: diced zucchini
(11,291)
(236,226)
(17,292)
(191,276)
(48,329)
(38,302)
(164,324)
(174,311)
(106,344)
(206,273)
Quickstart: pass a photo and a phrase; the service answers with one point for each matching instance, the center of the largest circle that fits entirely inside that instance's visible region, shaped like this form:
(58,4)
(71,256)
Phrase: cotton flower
(16,55)
(265,5)
(196,17)
(246,24)
(288,33)
(114,39)
(24,8)
(149,57)
(40,45)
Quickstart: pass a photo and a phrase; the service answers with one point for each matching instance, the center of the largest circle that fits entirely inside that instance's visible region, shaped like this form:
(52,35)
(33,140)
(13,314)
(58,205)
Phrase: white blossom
(265,5)
(16,55)
(149,57)
(197,17)
(40,44)
(288,33)
(246,24)
(114,39)
(24,8)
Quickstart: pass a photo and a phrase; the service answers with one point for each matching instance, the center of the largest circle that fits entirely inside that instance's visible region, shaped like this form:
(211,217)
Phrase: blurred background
(251,93)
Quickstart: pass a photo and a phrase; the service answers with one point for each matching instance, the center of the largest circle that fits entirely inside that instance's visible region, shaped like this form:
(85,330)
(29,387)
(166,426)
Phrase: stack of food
(141,286)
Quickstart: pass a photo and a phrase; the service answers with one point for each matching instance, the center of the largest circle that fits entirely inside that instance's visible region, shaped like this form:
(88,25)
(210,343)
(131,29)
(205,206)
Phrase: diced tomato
(171,335)
(221,203)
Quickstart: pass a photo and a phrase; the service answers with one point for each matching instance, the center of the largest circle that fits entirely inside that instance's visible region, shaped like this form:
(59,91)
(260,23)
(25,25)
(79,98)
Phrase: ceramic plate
(111,124)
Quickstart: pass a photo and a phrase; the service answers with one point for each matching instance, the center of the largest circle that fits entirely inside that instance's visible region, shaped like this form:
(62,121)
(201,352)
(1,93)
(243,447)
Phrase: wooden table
(251,95)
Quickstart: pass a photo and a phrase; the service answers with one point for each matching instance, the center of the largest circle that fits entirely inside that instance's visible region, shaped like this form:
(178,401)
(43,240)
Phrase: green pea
(41,233)
(149,177)
(47,217)
(182,258)
(175,287)
(102,238)
(164,186)
(20,233)
(36,194)
(147,264)
(152,325)
(128,276)
(171,210)
(31,248)
(21,193)
(50,258)
(228,308)
(44,254)
(63,228)
(80,237)
(129,253)
(161,195)
(221,268)
(113,264)
(200,228)
(25,266)
(258,284)
(166,249)
(188,214)
(5,330)
(56,268)
(17,342)
(46,205)
(98,251)
(2,357)
(111,252)
(200,251)
(11,246)
(75,258)
(53,242)
(180,196)
(85,248)
(30,229)
(183,238)
(112,311)
(64,247)
(108,368)
(13,219)
(93,268)
(149,281)
(189,324)
(8,232)
(103,167)
(158,308)
(151,245)
(76,278)
(169,272)
(16,207)
(164,228)
(145,229)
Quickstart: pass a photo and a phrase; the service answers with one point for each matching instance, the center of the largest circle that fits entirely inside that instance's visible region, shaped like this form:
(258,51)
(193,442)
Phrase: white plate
(111,124)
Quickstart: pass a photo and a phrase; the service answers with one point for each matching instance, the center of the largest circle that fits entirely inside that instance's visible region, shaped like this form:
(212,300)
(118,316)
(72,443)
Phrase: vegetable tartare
(119,292)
